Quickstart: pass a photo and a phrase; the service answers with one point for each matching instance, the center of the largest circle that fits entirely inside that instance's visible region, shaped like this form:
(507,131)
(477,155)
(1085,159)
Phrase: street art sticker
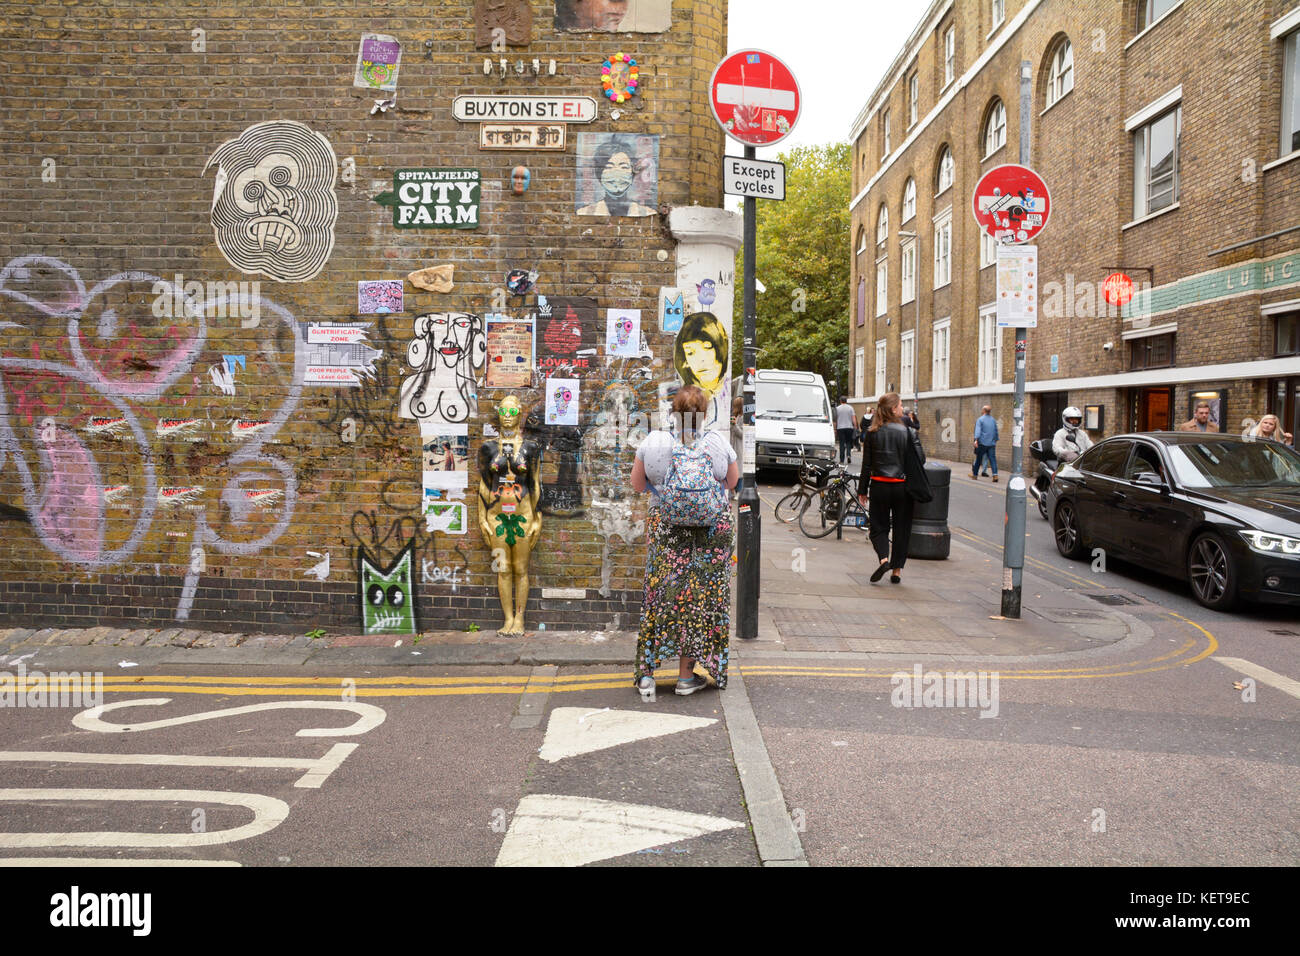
(387,595)
(502,22)
(562,401)
(447,356)
(444,453)
(273,203)
(621,16)
(701,356)
(509,351)
(378,61)
(434,198)
(671,309)
(445,516)
(618,175)
(338,354)
(381,295)
(623,333)
(567,343)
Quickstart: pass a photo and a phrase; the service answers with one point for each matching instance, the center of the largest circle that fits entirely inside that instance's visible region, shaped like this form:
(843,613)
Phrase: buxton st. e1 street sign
(753,177)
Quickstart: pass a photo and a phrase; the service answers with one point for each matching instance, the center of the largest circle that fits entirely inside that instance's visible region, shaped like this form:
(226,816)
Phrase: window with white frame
(882,224)
(990,347)
(943,249)
(1149,11)
(999,12)
(913,98)
(946,170)
(909,199)
(949,55)
(1291,92)
(907,366)
(884,133)
(1155,163)
(882,287)
(881,372)
(859,370)
(988,249)
(939,355)
(862,239)
(995,129)
(1061,79)
(909,271)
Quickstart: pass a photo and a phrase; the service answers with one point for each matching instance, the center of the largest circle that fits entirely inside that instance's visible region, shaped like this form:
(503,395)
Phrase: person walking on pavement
(844,428)
(986,441)
(1070,440)
(884,473)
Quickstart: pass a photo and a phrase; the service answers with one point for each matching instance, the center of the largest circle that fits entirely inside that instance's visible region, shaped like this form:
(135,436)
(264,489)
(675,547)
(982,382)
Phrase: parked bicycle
(835,506)
(813,477)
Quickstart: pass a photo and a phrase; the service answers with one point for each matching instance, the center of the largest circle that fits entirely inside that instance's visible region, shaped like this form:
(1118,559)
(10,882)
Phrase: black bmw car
(1219,511)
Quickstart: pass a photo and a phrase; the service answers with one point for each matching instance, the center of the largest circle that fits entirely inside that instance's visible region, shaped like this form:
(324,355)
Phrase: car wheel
(1211,572)
(1069,538)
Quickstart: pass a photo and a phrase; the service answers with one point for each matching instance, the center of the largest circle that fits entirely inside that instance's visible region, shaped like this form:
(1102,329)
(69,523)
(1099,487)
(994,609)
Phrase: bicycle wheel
(822,514)
(792,505)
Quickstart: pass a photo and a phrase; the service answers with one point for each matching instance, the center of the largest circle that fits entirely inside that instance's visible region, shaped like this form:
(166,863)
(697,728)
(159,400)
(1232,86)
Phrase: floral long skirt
(686,611)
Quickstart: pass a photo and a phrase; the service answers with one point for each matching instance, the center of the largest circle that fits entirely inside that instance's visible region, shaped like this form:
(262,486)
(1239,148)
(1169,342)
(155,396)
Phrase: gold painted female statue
(509,491)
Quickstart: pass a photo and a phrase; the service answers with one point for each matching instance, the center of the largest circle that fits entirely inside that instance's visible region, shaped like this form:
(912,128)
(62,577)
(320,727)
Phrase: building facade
(267,272)
(1168,132)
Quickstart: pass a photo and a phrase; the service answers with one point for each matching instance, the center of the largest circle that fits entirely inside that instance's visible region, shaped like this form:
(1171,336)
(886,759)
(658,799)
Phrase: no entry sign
(1011,203)
(755,97)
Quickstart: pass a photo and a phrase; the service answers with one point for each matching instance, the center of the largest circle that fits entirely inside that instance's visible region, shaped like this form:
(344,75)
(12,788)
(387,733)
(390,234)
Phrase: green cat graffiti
(387,595)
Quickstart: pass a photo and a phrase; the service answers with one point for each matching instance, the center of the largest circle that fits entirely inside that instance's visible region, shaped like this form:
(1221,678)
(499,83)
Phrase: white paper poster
(1017,271)
(444,454)
(623,332)
(561,401)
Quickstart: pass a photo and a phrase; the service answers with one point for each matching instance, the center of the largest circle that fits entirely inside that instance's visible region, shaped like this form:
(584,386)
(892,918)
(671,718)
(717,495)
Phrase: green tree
(802,258)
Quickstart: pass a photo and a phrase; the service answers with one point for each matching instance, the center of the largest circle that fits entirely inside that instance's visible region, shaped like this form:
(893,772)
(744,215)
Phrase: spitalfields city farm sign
(434,198)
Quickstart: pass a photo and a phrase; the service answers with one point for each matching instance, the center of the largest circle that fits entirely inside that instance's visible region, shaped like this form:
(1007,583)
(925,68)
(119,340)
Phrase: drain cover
(1112,599)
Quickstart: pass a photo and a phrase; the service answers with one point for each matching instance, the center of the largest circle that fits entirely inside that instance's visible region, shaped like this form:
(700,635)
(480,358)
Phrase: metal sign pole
(748,547)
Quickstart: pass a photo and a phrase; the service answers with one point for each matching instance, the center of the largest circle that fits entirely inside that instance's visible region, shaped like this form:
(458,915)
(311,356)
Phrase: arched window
(909,200)
(882,225)
(862,239)
(995,128)
(1061,78)
(943,179)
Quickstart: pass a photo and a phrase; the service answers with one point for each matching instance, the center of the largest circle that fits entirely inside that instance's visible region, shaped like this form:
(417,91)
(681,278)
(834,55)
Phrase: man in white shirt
(844,427)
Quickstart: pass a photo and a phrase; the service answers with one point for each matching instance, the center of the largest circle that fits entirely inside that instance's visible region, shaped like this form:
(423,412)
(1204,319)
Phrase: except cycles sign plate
(755,97)
(753,177)
(1011,203)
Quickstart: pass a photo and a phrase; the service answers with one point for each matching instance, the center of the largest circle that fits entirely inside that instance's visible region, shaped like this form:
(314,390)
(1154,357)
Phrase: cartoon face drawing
(387,595)
(673,311)
(707,291)
(562,398)
(622,331)
(273,203)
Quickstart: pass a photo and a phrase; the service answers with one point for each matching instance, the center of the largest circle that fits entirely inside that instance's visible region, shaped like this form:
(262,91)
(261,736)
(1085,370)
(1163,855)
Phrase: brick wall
(111,117)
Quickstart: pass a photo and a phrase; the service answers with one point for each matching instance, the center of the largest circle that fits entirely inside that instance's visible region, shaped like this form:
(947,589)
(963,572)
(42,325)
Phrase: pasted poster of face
(701,356)
(445,359)
(562,401)
(566,340)
(618,175)
(614,16)
(623,332)
(382,295)
(444,455)
(509,351)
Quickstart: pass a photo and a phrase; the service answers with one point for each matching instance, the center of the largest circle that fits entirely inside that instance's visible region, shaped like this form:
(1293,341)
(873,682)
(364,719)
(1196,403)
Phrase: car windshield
(782,400)
(1216,464)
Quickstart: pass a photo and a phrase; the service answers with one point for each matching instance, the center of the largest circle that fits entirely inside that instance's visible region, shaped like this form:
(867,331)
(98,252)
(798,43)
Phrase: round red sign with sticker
(1011,203)
(1117,289)
(755,97)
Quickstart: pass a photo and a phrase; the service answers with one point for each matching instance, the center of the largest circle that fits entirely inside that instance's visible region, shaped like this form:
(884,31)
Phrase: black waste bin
(930,535)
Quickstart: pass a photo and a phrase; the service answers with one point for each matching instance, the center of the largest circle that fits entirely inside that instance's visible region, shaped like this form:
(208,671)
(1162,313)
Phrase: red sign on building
(1011,203)
(1117,289)
(755,97)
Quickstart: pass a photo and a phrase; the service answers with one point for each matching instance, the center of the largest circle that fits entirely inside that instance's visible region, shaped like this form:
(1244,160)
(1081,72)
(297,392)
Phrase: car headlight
(823,453)
(1266,543)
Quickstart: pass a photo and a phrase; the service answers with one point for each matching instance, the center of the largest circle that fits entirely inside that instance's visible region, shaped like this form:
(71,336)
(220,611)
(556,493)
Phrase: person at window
(884,474)
(1270,429)
(1200,421)
(1071,439)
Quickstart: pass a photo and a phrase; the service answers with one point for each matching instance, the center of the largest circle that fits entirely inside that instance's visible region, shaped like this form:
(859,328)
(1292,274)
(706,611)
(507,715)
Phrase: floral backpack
(692,497)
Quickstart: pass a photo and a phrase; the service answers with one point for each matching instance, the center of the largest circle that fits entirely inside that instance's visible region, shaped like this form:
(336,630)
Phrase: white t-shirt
(656,454)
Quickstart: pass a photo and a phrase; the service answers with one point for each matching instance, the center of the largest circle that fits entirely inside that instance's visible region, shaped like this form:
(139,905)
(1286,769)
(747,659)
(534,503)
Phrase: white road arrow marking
(1262,674)
(572,831)
(579,730)
(368,716)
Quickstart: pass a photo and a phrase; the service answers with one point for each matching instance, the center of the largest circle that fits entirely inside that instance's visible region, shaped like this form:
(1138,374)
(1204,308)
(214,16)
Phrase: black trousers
(890,508)
(845,436)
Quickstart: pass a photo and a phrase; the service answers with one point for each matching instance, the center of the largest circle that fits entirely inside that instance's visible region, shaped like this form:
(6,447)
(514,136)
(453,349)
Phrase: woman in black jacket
(884,471)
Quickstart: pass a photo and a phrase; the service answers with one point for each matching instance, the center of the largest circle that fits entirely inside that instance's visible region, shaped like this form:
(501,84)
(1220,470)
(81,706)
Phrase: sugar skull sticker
(273,203)
(623,333)
(387,595)
(562,401)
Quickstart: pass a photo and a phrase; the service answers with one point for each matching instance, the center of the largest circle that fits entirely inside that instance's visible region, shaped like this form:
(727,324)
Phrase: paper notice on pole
(1017,274)
(749,457)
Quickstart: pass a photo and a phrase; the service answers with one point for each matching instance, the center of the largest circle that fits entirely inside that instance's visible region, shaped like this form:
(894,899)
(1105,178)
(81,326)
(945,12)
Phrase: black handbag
(916,482)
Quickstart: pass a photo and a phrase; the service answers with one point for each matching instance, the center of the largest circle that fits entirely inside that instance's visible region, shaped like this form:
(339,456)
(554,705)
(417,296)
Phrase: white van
(792,409)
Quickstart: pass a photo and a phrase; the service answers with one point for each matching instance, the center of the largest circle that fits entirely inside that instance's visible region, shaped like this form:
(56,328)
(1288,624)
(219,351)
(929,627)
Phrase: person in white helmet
(1070,440)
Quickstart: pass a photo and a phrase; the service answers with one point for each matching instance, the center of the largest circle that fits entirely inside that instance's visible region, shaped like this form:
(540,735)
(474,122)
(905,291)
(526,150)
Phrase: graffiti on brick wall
(447,356)
(273,202)
(95,361)
(387,594)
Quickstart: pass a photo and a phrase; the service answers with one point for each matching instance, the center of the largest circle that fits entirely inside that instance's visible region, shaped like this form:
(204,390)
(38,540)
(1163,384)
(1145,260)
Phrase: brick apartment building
(169,454)
(1168,132)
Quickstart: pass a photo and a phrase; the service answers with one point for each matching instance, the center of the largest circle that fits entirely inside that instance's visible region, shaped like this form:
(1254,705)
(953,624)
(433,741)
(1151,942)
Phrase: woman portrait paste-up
(618,175)
(613,16)
(702,356)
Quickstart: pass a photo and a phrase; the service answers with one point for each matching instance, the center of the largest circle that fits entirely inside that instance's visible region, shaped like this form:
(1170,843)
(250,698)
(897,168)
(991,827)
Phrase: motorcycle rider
(1070,440)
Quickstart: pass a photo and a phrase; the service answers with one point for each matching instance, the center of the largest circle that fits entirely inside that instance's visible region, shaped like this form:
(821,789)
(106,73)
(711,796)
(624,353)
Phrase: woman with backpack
(686,611)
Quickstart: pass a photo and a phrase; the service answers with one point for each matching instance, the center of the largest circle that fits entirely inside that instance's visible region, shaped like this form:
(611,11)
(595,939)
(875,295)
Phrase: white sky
(838,50)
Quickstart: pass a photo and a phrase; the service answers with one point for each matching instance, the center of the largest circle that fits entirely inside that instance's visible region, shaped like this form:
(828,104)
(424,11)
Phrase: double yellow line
(361,686)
